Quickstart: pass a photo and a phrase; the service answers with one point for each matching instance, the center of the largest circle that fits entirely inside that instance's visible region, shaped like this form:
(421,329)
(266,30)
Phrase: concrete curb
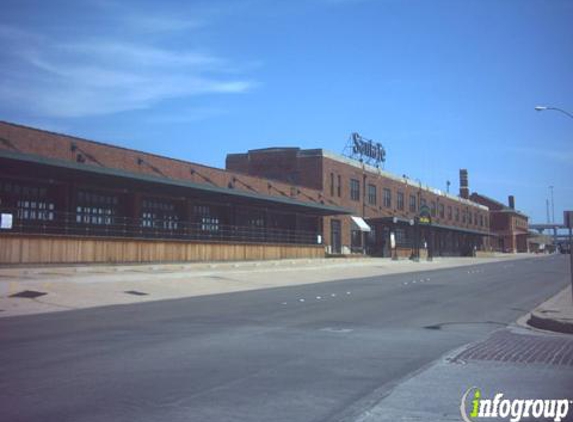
(536,320)
(556,314)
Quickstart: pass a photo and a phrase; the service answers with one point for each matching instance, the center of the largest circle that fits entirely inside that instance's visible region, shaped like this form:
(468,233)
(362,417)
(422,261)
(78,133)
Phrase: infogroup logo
(474,406)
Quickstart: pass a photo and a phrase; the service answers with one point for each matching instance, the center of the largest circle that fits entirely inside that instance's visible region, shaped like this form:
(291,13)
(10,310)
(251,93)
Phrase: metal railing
(60,223)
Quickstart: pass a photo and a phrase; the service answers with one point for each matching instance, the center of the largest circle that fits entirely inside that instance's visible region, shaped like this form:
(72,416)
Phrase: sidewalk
(554,315)
(47,289)
(542,370)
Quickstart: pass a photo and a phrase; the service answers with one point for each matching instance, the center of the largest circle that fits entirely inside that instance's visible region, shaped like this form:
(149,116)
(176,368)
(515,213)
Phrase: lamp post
(543,108)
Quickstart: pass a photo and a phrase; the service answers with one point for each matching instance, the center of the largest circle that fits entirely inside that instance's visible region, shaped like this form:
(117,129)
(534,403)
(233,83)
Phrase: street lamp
(543,108)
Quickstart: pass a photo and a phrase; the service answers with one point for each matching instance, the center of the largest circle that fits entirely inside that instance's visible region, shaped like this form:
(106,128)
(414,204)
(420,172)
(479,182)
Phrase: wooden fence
(30,249)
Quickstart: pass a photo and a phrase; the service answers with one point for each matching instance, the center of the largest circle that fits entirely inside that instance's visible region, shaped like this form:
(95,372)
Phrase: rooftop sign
(367,150)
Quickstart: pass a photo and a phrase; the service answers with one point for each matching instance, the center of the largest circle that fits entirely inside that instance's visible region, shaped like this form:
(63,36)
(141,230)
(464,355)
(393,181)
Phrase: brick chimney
(464,189)
(511,202)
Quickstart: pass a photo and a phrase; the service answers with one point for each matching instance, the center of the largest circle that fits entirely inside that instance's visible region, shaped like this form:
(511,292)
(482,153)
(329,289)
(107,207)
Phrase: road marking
(319,297)
(284,303)
(427,279)
(301,300)
(347,293)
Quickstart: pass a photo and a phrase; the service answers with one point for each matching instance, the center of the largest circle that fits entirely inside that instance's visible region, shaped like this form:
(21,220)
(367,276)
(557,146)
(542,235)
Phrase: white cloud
(92,75)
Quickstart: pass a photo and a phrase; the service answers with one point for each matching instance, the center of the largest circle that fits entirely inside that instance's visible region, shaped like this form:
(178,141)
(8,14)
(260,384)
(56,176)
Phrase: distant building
(510,226)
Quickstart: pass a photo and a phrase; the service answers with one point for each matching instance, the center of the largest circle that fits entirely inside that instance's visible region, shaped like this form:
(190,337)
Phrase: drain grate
(505,346)
(135,293)
(29,294)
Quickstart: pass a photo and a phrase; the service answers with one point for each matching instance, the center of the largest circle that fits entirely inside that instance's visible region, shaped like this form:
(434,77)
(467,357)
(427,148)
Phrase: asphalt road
(305,353)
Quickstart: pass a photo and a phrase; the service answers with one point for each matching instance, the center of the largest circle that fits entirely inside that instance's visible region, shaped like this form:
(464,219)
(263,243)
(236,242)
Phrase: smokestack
(464,189)
(511,201)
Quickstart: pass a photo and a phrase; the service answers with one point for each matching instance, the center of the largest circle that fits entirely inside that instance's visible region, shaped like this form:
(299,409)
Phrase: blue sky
(442,84)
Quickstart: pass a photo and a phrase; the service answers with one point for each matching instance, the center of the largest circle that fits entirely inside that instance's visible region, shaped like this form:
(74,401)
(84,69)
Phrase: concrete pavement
(307,352)
(78,287)
(556,314)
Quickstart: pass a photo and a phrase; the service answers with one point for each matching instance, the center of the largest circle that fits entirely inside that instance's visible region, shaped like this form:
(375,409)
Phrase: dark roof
(504,208)
(37,159)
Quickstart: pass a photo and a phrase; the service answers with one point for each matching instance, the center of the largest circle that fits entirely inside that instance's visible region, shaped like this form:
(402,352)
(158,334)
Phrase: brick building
(509,225)
(385,207)
(66,199)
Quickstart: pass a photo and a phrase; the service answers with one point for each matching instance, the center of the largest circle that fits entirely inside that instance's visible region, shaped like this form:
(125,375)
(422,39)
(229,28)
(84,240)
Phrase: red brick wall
(312,168)
(27,140)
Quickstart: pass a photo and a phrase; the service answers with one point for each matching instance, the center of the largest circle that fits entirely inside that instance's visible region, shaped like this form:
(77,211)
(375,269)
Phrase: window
(331,184)
(422,202)
(412,203)
(339,187)
(464,216)
(469,217)
(400,200)
(387,198)
(372,194)
(159,214)
(433,208)
(96,208)
(481,220)
(32,202)
(354,190)
(449,212)
(457,214)
(442,211)
(207,222)
(475,218)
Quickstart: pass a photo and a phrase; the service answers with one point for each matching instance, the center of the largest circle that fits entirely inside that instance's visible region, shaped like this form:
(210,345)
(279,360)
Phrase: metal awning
(360,223)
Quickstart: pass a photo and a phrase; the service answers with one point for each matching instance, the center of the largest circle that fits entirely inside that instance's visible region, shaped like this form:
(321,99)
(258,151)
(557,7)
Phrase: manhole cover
(136,293)
(29,294)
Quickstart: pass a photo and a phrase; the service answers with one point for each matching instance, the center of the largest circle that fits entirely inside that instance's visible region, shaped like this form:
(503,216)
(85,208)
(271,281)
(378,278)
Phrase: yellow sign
(424,220)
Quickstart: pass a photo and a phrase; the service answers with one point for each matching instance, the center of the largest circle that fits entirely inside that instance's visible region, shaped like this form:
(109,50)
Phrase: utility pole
(547,206)
(552,205)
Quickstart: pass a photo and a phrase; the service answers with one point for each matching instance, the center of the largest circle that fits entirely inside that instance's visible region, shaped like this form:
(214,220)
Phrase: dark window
(412,203)
(204,216)
(475,218)
(457,214)
(400,200)
(159,214)
(96,208)
(354,190)
(469,217)
(464,216)
(387,198)
(32,201)
(422,202)
(481,220)
(339,187)
(372,194)
(433,208)
(449,212)
(442,212)
(331,184)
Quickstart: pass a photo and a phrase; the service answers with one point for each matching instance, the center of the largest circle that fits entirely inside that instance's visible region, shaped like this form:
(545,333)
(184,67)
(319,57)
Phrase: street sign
(568,219)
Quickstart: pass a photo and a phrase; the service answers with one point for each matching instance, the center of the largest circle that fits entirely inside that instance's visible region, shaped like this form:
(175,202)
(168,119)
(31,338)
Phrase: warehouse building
(510,226)
(66,199)
(391,215)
